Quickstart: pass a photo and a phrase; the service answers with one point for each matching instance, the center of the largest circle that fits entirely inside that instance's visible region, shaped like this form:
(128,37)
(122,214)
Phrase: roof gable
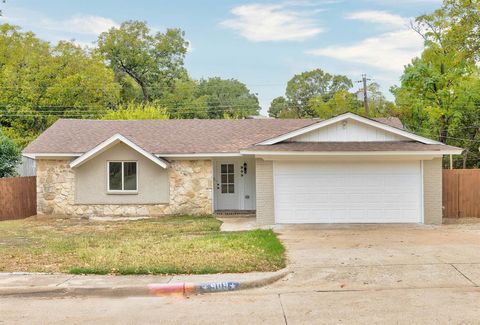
(376,131)
(348,130)
(109,143)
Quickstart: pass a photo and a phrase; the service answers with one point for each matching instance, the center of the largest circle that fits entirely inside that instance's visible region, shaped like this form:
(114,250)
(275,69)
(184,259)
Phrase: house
(347,169)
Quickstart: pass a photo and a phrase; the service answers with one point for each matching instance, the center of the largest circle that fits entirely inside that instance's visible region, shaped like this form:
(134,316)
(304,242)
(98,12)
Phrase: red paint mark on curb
(163,289)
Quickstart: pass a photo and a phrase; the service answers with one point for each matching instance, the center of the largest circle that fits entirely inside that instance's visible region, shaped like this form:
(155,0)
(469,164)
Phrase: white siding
(348,130)
(348,192)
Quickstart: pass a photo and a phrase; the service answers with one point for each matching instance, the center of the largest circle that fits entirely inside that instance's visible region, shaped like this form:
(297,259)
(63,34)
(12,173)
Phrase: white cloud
(88,24)
(388,51)
(379,17)
(279,22)
(76,25)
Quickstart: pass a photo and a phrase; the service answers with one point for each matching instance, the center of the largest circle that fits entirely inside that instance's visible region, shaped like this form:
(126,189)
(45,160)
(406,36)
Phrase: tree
(227,98)
(40,83)
(133,111)
(9,156)
(278,107)
(153,61)
(341,102)
(454,26)
(439,94)
(379,105)
(184,102)
(316,83)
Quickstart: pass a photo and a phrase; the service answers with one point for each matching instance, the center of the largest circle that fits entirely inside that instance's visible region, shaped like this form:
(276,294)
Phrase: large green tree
(279,107)
(40,82)
(439,91)
(319,94)
(454,26)
(227,98)
(316,83)
(184,101)
(154,61)
(341,102)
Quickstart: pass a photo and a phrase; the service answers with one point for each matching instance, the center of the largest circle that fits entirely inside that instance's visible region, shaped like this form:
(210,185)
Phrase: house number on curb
(218,287)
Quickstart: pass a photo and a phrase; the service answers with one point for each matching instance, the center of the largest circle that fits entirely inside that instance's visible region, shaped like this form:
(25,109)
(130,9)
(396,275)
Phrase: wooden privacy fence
(461,193)
(18,197)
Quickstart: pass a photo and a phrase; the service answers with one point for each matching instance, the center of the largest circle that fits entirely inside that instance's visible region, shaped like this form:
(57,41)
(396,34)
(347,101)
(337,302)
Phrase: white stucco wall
(91,180)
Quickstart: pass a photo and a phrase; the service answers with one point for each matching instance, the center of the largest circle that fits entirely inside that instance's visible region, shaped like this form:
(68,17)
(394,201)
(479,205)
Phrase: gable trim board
(343,117)
(350,153)
(107,144)
(49,155)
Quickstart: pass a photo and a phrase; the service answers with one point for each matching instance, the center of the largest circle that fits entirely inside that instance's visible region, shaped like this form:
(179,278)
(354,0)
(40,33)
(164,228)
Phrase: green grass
(167,245)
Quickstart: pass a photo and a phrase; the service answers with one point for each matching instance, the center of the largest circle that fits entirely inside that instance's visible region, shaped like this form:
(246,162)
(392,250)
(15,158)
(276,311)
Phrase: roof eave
(352,153)
(110,142)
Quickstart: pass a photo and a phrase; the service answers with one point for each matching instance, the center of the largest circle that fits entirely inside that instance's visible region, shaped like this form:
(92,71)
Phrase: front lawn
(166,245)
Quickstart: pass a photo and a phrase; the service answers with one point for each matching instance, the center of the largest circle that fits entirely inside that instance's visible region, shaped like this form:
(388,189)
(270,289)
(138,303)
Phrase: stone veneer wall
(190,191)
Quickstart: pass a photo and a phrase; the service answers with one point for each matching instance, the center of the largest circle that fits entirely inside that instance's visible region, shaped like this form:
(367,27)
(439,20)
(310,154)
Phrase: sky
(261,43)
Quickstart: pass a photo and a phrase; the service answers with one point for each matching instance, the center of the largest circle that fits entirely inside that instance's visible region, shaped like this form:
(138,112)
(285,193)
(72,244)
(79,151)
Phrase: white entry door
(348,192)
(227,189)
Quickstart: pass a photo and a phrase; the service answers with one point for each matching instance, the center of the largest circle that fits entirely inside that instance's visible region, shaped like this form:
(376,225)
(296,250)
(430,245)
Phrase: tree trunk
(144,91)
(465,156)
(443,134)
(444,130)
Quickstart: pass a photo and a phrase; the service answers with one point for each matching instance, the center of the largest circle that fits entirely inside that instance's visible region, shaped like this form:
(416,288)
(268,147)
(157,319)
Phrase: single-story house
(346,169)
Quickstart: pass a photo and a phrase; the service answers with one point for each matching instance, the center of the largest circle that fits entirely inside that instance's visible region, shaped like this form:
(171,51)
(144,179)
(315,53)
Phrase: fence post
(458,195)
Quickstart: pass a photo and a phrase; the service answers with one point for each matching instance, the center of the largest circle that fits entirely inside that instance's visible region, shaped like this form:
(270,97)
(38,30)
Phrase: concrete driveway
(341,275)
(359,257)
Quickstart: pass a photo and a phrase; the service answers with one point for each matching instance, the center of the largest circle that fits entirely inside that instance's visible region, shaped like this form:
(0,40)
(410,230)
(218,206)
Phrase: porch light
(244,169)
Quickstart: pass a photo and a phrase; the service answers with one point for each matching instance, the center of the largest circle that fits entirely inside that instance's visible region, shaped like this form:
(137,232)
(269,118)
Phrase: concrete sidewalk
(12,284)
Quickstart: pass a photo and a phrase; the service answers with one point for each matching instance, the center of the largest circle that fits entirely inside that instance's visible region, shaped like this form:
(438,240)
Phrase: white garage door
(354,192)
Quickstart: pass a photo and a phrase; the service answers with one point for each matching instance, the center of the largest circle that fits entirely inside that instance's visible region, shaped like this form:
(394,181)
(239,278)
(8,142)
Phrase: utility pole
(365,93)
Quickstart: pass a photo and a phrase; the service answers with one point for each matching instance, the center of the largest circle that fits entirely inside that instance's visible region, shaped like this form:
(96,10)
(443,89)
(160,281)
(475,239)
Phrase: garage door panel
(367,192)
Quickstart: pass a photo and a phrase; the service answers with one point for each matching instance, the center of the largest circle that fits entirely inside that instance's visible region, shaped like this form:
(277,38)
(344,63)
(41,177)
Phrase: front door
(227,189)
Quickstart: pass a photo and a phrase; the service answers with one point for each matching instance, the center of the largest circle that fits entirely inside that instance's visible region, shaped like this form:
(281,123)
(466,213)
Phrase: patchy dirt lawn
(167,245)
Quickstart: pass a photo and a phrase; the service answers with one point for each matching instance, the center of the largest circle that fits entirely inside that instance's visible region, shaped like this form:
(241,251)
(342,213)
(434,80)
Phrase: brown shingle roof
(351,146)
(163,136)
(392,121)
(168,136)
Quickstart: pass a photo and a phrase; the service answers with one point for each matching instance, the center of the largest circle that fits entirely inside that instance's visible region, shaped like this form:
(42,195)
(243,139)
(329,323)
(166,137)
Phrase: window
(122,176)
(227,174)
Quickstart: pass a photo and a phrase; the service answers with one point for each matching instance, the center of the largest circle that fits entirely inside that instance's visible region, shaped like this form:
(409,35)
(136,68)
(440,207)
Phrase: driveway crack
(283,310)
(466,277)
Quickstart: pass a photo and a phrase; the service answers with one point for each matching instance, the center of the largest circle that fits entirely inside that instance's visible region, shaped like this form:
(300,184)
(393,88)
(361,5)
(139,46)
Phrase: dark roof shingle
(163,136)
(169,136)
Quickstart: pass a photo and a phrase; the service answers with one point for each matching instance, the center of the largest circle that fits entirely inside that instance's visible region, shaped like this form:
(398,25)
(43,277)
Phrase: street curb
(140,290)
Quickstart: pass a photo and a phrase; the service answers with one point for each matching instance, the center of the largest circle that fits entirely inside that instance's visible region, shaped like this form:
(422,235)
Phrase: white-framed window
(122,176)
(227,181)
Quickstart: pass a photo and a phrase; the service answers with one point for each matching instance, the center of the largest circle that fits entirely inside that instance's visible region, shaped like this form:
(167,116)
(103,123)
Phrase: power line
(103,108)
